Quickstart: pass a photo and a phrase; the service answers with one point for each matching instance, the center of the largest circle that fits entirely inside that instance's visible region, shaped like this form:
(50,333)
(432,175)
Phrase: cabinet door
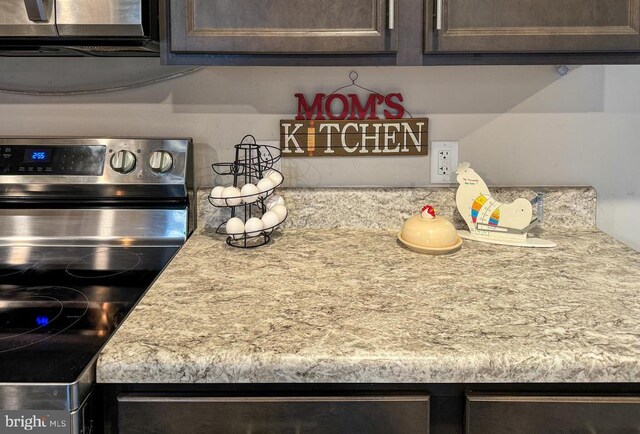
(266,415)
(521,26)
(507,414)
(282,26)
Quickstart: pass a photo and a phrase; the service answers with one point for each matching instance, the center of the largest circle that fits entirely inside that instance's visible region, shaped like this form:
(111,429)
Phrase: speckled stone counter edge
(320,308)
(388,208)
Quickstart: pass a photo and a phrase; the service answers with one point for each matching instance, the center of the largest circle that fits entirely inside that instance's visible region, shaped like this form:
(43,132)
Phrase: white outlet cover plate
(436,147)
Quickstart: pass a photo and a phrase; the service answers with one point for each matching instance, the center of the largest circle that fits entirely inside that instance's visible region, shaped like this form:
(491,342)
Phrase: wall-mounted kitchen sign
(338,125)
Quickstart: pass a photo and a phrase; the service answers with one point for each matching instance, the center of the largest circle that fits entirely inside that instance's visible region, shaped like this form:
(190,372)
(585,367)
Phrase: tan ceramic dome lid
(429,231)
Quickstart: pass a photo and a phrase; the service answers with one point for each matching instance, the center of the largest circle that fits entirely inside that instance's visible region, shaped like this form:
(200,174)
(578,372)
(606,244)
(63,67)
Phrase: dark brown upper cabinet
(532,26)
(399,32)
(283,26)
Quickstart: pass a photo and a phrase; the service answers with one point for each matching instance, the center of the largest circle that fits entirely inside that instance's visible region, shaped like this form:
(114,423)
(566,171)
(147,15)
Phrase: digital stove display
(37,155)
(36,159)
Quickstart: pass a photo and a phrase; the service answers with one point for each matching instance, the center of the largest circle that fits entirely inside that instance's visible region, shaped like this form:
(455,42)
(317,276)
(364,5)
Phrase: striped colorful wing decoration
(477,205)
(495,217)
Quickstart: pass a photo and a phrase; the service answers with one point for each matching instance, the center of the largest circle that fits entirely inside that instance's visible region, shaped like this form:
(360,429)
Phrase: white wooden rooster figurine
(489,220)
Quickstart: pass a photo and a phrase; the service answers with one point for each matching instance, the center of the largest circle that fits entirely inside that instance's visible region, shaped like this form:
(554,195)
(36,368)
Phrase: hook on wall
(353,76)
(562,70)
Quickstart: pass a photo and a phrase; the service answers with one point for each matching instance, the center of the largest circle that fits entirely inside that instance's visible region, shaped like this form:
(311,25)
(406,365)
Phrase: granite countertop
(347,305)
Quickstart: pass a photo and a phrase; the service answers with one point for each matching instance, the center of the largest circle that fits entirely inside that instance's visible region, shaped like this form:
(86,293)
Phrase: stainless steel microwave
(72,27)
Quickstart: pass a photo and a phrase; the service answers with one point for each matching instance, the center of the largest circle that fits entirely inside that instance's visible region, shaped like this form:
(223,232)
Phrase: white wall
(520,125)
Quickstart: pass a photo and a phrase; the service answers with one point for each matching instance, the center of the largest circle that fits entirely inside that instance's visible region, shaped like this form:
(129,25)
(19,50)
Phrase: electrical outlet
(444,161)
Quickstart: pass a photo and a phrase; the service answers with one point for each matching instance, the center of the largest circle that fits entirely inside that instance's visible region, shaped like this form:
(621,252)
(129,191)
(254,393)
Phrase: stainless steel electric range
(86,226)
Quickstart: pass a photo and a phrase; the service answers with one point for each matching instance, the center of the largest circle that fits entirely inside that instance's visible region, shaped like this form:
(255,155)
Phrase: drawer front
(502,414)
(304,415)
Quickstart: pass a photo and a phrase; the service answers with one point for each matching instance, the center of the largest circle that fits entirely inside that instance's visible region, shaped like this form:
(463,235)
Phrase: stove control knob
(123,162)
(161,161)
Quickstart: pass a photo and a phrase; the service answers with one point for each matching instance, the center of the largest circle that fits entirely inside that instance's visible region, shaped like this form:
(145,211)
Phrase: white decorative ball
(249,193)
(274,176)
(281,211)
(253,226)
(231,192)
(273,200)
(216,196)
(264,185)
(235,228)
(270,219)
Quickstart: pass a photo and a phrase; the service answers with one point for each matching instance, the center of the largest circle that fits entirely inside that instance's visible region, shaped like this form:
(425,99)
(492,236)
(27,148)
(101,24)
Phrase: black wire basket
(252,161)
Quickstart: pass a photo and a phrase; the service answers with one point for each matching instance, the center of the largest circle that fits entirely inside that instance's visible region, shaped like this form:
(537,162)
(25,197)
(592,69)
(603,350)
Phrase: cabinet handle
(439,14)
(392,12)
(37,9)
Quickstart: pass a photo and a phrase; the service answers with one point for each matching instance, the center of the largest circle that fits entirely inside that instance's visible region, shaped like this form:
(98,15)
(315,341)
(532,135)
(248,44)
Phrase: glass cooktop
(59,305)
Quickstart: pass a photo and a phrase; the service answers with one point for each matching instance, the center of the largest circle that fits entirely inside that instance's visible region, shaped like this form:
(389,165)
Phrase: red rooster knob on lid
(428,212)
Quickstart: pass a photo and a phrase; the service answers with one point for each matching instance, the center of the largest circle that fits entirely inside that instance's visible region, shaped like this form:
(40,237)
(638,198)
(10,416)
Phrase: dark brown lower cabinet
(585,408)
(522,414)
(262,415)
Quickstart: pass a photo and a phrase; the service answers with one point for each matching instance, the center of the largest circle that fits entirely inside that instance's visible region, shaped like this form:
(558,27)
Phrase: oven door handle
(38,10)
